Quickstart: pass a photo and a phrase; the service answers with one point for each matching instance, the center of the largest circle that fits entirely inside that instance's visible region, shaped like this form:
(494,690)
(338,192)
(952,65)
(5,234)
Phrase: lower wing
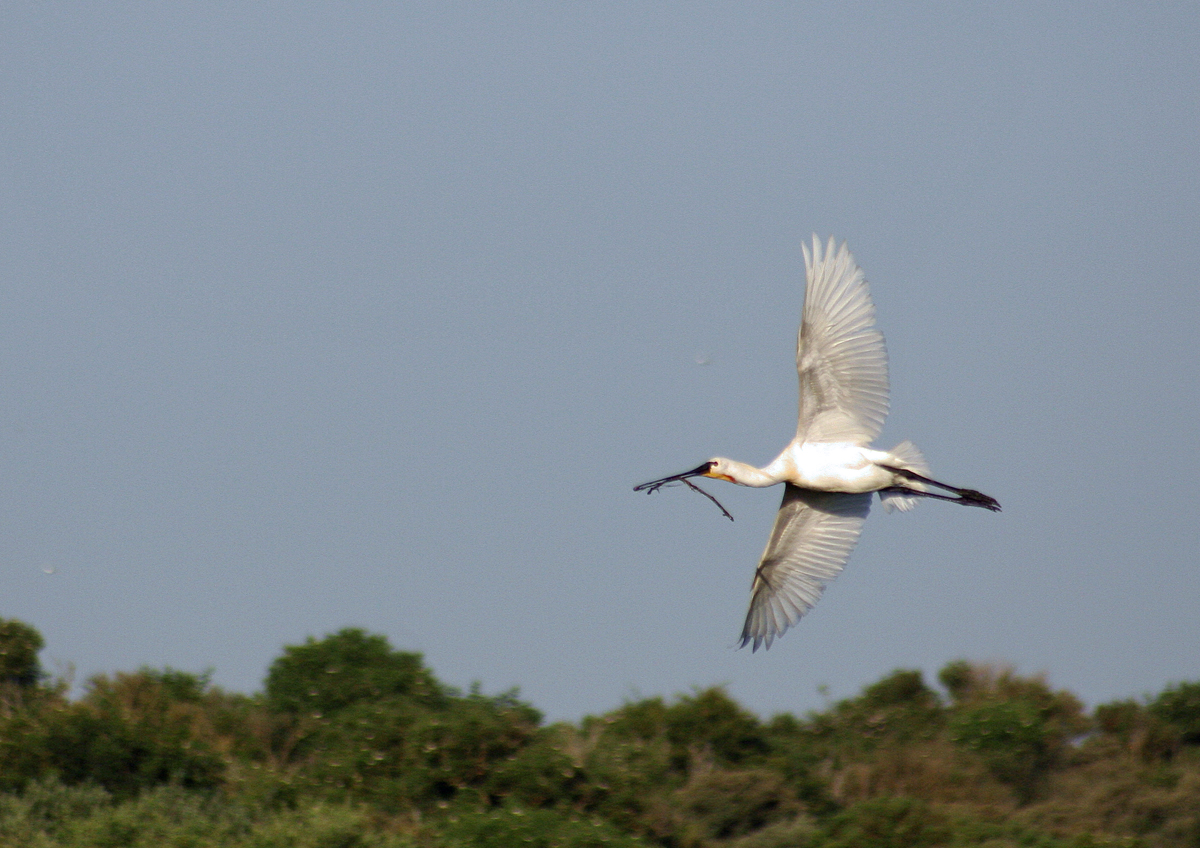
(813,536)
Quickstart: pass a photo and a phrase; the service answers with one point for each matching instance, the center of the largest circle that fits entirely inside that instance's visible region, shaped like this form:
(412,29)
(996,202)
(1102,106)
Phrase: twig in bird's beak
(693,486)
(654,485)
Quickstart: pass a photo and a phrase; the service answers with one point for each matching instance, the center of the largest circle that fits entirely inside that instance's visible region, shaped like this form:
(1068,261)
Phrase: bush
(342,669)
(1179,706)
(508,826)
(19,646)
(127,733)
(723,804)
(359,746)
(1017,725)
(899,708)
(130,732)
(712,721)
(885,823)
(1012,739)
(398,754)
(50,814)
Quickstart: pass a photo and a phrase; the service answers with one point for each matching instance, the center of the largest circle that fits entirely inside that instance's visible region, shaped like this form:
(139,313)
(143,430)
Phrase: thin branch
(694,487)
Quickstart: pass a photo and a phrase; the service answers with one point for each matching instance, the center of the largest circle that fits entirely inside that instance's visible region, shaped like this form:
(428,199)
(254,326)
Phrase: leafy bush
(131,732)
(712,720)
(19,646)
(399,754)
(541,774)
(46,809)
(127,733)
(322,677)
(1179,706)
(722,804)
(898,708)
(1012,739)
(885,823)
(355,745)
(50,815)
(1017,725)
(1138,730)
(508,826)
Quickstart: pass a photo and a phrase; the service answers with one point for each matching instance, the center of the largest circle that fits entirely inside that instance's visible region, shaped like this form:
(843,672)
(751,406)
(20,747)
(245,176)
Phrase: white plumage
(828,470)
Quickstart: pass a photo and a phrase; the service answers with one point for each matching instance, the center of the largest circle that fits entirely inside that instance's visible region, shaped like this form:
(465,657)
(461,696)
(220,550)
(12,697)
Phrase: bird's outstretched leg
(966,497)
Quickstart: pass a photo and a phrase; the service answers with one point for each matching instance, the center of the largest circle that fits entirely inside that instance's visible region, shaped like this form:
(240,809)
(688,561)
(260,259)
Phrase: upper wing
(813,536)
(840,355)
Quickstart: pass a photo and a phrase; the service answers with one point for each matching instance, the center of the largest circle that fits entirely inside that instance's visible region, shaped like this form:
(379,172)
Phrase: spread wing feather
(813,536)
(840,355)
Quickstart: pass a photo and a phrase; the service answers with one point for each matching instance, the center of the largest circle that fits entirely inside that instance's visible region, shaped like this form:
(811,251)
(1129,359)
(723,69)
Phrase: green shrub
(1179,706)
(1012,739)
(899,708)
(322,677)
(1017,725)
(712,721)
(885,823)
(398,754)
(723,804)
(52,815)
(129,733)
(19,646)
(509,826)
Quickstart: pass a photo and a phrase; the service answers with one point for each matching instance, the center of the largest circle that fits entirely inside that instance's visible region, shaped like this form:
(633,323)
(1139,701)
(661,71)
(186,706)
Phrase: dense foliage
(355,744)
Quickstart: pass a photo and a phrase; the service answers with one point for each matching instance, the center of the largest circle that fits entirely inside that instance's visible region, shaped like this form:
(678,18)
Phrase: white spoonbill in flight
(829,470)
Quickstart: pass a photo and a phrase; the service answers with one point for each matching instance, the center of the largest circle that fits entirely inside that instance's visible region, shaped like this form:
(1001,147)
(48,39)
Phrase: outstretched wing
(839,353)
(813,536)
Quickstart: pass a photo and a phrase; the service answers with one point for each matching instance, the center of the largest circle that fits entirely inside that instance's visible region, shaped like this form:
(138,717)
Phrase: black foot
(966,497)
(970,497)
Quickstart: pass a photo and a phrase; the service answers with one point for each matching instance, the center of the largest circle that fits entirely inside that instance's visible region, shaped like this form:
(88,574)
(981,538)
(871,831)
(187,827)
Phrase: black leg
(966,497)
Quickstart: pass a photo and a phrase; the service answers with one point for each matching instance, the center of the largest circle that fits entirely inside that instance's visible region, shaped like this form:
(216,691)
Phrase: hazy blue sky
(327,315)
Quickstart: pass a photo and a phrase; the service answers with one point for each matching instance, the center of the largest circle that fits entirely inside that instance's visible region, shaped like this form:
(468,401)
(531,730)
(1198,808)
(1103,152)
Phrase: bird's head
(719,468)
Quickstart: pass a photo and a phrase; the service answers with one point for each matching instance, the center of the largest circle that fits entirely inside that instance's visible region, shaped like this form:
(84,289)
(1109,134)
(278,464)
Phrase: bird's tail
(908,456)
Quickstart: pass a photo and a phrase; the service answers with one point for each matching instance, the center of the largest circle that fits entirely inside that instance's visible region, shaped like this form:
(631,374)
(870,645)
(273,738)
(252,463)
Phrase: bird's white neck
(747,475)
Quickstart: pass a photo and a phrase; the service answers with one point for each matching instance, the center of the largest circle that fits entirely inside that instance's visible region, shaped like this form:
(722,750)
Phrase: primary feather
(840,355)
(813,536)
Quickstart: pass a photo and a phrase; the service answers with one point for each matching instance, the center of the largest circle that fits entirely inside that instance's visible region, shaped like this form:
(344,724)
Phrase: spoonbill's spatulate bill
(828,471)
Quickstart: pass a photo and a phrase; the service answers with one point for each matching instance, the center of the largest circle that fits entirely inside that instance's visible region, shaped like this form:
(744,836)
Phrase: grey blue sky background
(319,315)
